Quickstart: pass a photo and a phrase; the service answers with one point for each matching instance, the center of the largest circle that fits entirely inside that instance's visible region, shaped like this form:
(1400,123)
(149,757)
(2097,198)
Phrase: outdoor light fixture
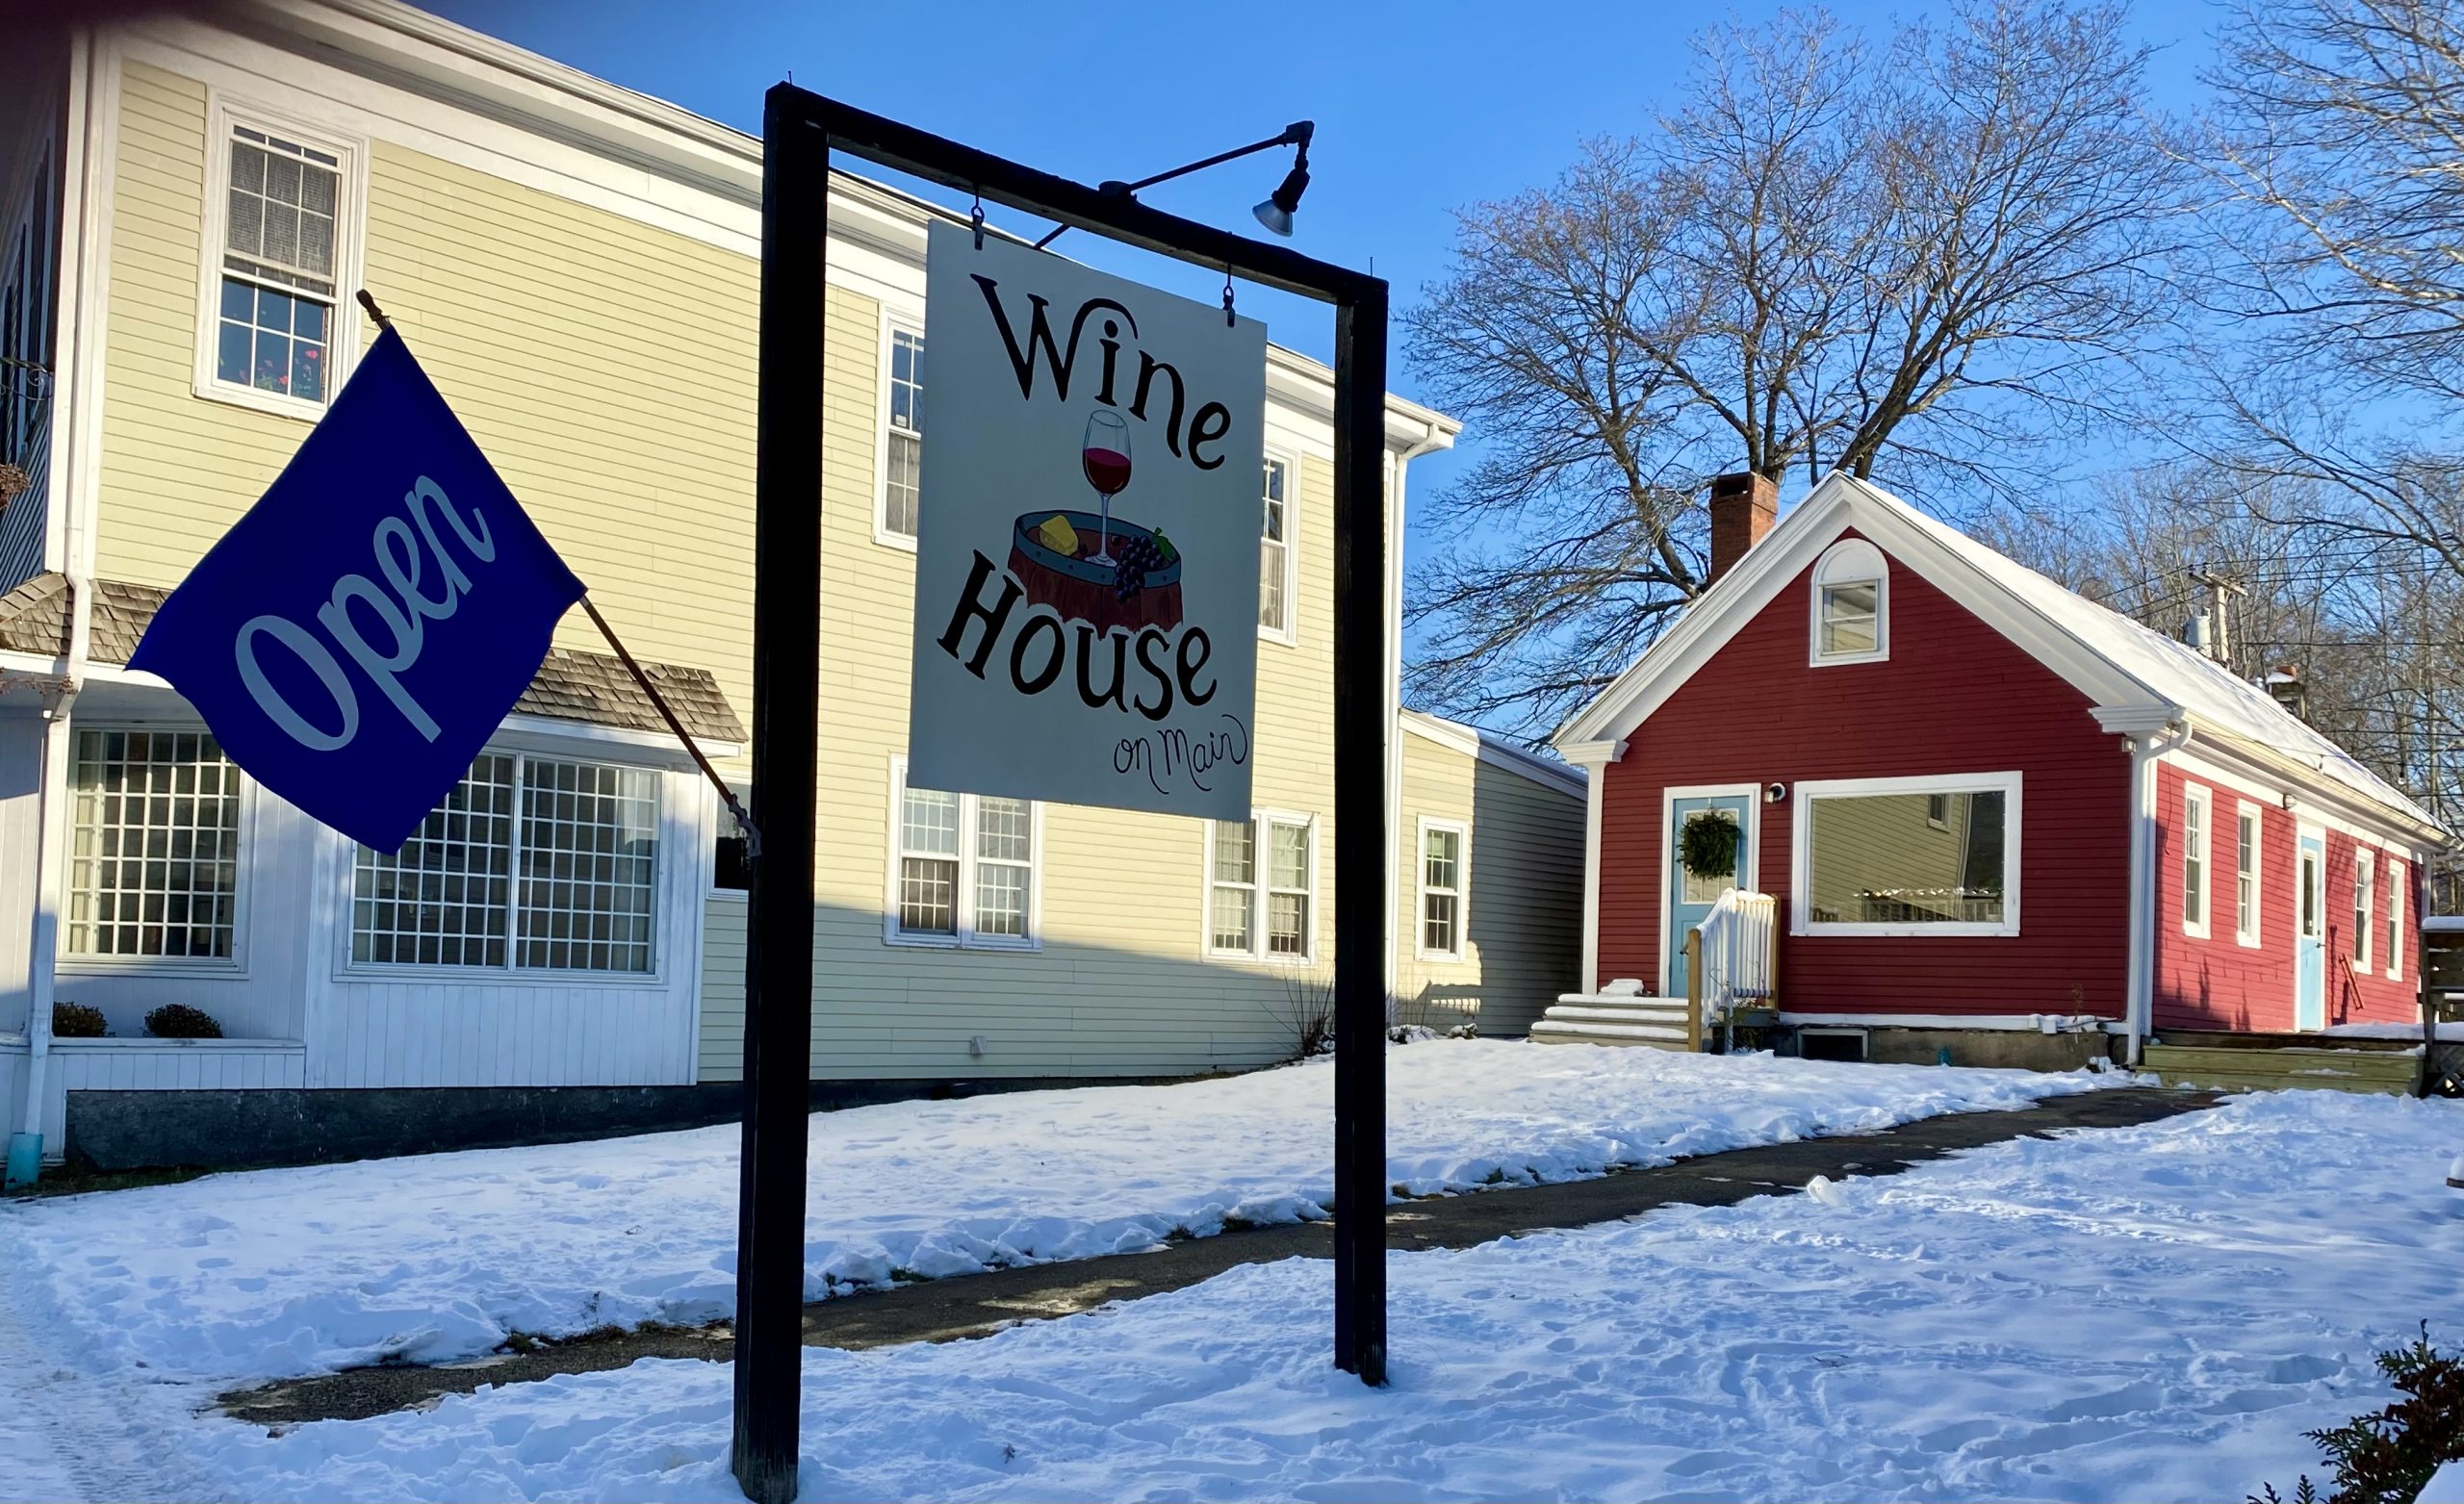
(1275,214)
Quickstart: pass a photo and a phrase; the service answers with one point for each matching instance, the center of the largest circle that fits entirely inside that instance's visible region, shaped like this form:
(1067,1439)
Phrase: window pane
(1444,847)
(1001,900)
(282,204)
(1437,923)
(1271,569)
(1289,852)
(163,799)
(928,891)
(1288,924)
(1877,859)
(443,899)
(589,867)
(1235,853)
(931,823)
(1005,830)
(904,485)
(1232,910)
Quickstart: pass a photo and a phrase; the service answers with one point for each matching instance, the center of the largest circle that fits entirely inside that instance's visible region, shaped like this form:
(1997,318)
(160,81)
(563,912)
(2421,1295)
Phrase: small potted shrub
(179,1021)
(76,1021)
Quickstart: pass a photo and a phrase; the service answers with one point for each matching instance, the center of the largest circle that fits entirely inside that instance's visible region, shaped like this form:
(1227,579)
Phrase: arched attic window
(1851,605)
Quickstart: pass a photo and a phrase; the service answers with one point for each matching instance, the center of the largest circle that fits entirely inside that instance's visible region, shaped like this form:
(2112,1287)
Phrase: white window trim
(676,825)
(1259,819)
(892,325)
(2394,919)
(78,963)
(2249,937)
(2199,796)
(351,217)
(2365,908)
(1801,850)
(1462,890)
(1289,634)
(966,939)
(1880,651)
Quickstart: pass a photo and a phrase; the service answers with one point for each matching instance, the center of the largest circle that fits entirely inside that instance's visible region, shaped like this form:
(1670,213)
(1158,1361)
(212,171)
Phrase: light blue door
(2309,936)
(1691,895)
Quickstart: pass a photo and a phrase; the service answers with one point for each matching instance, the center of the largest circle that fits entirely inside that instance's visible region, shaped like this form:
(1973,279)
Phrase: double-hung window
(902,430)
(2196,807)
(2246,875)
(1442,885)
(1851,604)
(1262,889)
(154,864)
(962,868)
(531,864)
(1275,579)
(285,202)
(2394,919)
(2365,863)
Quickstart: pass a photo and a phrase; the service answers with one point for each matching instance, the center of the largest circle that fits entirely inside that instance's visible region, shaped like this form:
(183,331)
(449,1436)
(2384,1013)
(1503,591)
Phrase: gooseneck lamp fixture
(1275,213)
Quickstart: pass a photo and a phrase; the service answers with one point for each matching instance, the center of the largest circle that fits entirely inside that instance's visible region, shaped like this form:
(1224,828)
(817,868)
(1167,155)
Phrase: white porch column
(1594,759)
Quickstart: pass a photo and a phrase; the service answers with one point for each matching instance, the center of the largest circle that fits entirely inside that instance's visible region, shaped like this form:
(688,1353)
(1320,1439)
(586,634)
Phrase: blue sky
(1421,108)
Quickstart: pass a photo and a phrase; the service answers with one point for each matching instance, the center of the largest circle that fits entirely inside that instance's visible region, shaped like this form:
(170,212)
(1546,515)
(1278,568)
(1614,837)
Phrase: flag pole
(658,702)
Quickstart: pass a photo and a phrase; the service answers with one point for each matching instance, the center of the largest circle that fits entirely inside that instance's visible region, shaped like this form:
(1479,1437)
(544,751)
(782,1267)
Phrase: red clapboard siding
(1955,697)
(2218,982)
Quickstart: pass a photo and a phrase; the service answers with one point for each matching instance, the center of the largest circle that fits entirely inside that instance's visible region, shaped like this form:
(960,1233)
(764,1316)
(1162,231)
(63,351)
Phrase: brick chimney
(2285,684)
(1743,506)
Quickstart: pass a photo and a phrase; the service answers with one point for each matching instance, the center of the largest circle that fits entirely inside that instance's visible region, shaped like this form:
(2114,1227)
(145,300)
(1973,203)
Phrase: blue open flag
(357,637)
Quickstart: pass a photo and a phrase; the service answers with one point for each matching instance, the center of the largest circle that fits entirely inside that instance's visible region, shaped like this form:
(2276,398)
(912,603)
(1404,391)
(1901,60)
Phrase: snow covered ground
(2147,1314)
(285,1272)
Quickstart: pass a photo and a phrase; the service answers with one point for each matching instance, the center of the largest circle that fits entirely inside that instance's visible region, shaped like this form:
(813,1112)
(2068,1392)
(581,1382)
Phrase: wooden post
(1694,989)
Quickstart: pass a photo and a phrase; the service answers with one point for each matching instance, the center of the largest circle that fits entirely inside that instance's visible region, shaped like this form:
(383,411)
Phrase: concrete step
(1658,1036)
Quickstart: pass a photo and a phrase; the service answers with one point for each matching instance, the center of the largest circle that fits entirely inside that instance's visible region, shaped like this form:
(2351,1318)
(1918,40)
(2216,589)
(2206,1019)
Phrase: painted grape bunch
(1136,556)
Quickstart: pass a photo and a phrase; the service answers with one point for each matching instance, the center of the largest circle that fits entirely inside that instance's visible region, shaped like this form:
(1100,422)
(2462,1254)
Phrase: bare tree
(1827,258)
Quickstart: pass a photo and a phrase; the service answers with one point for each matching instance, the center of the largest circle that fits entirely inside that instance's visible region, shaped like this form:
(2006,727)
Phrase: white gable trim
(1454,736)
(1837,504)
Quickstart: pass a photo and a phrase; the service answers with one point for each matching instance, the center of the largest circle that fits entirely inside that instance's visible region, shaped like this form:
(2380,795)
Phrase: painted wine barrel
(1083,591)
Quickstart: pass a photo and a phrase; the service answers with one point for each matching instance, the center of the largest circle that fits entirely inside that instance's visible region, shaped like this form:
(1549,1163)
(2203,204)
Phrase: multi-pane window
(1441,891)
(2245,876)
(154,868)
(965,868)
(2394,919)
(275,314)
(2195,826)
(903,433)
(1274,553)
(1262,898)
(2364,864)
(530,863)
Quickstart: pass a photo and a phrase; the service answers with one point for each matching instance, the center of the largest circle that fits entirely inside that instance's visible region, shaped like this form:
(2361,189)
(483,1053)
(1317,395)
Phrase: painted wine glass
(1106,458)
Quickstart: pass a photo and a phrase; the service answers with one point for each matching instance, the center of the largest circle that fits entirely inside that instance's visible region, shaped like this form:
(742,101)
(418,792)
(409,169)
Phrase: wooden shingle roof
(570,686)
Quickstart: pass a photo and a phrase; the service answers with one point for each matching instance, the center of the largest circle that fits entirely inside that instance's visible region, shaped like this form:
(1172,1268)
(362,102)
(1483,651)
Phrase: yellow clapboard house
(190,204)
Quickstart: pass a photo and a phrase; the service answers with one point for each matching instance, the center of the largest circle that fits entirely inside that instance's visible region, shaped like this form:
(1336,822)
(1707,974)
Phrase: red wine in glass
(1105,456)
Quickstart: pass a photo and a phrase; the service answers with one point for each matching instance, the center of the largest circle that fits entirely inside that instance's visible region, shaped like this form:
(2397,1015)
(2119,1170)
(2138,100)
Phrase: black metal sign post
(799,130)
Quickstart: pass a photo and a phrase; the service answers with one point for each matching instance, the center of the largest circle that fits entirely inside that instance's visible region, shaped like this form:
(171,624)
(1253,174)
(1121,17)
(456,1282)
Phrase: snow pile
(285,1272)
(2147,1314)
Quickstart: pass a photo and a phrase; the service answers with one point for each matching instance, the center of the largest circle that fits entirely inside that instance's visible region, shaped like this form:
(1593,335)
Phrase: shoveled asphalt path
(976,1305)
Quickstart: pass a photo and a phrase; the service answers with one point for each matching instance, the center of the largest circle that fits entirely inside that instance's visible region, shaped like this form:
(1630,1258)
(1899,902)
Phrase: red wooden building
(1982,803)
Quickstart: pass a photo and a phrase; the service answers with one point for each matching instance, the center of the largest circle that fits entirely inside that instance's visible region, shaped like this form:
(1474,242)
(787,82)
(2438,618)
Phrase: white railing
(1735,959)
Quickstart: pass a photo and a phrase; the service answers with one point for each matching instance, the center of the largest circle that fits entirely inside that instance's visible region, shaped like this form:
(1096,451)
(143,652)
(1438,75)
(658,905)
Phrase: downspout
(2139,986)
(77,485)
(1432,440)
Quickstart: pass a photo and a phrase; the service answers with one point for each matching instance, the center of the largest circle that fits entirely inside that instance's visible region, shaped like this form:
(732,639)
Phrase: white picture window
(1262,889)
(2195,823)
(530,863)
(962,868)
(1851,605)
(2365,865)
(1277,576)
(2394,919)
(1871,858)
(283,210)
(2246,875)
(154,863)
(1444,879)
(902,430)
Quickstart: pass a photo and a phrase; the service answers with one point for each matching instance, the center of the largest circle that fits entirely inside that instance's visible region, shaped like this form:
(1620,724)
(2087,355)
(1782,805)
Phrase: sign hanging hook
(975,218)
(1227,298)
